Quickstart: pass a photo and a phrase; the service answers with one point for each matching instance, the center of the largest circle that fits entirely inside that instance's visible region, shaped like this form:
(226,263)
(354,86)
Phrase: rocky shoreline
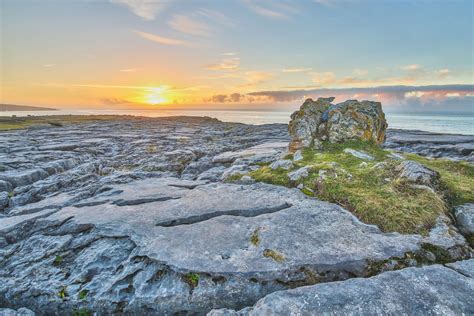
(147,216)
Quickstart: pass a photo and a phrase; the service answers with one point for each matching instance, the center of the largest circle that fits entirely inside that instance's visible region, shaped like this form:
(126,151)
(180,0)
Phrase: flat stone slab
(246,239)
(432,290)
(265,151)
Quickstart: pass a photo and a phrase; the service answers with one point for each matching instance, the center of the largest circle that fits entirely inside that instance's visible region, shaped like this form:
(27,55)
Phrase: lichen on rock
(321,121)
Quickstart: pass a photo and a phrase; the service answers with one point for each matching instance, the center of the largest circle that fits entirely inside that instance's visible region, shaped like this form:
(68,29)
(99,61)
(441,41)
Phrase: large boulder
(320,120)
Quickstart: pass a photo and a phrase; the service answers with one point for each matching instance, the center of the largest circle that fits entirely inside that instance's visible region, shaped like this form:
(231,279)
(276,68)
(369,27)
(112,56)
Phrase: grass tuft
(192,279)
(273,254)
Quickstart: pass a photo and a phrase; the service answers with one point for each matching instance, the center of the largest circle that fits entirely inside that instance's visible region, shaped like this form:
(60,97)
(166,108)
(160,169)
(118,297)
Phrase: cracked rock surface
(138,217)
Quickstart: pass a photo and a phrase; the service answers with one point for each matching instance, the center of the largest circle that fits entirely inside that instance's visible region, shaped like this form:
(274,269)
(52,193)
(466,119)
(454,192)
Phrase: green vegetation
(372,190)
(83,294)
(82,312)
(192,279)
(57,261)
(456,176)
(255,238)
(63,293)
(275,255)
(11,194)
(11,123)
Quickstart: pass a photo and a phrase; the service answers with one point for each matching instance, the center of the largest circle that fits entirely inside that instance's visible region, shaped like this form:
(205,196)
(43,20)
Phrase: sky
(236,54)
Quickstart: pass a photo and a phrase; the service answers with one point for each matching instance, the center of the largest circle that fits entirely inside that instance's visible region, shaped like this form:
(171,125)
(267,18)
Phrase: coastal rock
(151,236)
(320,120)
(298,174)
(465,218)
(284,164)
(358,154)
(429,290)
(415,172)
(20,312)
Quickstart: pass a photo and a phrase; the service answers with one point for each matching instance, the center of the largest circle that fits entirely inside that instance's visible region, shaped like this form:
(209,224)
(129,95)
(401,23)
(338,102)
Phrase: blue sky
(236,54)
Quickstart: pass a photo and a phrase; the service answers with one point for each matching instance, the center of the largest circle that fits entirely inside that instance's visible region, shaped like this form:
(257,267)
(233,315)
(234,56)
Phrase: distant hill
(13,107)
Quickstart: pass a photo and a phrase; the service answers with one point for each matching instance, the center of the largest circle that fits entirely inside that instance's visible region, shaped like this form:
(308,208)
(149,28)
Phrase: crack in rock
(143,201)
(253,212)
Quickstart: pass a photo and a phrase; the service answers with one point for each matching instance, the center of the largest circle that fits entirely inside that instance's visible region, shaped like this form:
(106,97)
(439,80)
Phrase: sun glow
(155,96)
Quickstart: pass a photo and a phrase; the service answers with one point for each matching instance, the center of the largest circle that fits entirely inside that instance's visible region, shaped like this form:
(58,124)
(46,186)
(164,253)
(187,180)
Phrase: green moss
(255,238)
(57,260)
(82,312)
(275,255)
(441,255)
(63,293)
(83,294)
(375,195)
(192,279)
(234,177)
(11,194)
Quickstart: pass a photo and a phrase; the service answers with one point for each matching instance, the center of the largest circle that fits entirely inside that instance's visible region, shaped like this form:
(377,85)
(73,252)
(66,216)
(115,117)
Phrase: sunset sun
(155,96)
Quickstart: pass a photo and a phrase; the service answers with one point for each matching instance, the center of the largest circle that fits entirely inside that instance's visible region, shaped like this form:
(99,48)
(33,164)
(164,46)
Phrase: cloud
(160,39)
(147,9)
(49,65)
(229,54)
(225,64)
(296,69)
(442,97)
(443,73)
(128,70)
(360,72)
(216,16)
(323,78)
(113,101)
(271,9)
(413,67)
(188,25)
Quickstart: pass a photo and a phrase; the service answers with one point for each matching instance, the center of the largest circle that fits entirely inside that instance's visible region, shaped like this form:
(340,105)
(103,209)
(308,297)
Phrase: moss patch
(273,254)
(192,279)
(255,238)
(372,191)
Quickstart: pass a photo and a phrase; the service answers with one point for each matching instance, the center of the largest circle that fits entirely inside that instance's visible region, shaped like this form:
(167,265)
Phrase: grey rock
(284,164)
(445,236)
(320,120)
(465,267)
(298,174)
(432,290)
(155,231)
(358,154)
(396,156)
(298,155)
(5,186)
(465,218)
(23,311)
(415,172)
(4,199)
(260,153)
(24,177)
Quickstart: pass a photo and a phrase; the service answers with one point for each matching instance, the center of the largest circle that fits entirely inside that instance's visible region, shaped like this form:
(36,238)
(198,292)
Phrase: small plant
(151,149)
(192,279)
(57,260)
(83,294)
(63,293)
(275,255)
(255,238)
(81,312)
(11,194)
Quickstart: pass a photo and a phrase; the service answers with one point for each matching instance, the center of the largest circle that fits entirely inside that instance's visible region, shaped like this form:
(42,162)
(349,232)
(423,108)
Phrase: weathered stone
(5,186)
(320,120)
(358,154)
(298,174)
(179,227)
(415,172)
(298,155)
(4,199)
(432,290)
(20,312)
(465,218)
(445,236)
(284,164)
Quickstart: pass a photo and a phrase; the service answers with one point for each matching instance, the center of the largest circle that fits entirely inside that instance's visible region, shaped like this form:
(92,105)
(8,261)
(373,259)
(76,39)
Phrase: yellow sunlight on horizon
(154,96)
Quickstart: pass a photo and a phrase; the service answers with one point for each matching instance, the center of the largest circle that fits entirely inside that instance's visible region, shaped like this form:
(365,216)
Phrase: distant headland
(14,107)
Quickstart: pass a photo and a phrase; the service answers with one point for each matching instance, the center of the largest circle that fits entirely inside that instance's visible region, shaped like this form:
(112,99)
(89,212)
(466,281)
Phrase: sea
(452,123)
